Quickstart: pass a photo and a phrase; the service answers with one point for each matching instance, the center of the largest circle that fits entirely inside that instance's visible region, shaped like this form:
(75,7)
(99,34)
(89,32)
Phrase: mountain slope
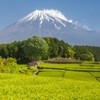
(49,23)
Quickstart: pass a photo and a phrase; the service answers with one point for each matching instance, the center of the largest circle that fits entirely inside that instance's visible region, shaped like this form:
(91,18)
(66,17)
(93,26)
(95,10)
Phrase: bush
(9,65)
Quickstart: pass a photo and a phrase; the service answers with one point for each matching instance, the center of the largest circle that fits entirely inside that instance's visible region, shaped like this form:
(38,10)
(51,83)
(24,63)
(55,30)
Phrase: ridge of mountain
(50,23)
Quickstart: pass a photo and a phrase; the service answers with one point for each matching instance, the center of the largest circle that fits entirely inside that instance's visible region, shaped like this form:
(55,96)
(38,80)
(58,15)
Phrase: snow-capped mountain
(50,23)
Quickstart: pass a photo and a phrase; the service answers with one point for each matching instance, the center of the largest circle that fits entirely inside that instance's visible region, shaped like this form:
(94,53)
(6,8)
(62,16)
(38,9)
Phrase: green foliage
(95,51)
(82,53)
(2,67)
(3,50)
(71,52)
(9,65)
(87,57)
(57,48)
(24,69)
(35,48)
(53,47)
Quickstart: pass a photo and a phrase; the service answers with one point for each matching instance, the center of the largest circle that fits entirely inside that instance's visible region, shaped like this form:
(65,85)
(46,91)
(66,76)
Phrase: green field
(54,82)
(84,71)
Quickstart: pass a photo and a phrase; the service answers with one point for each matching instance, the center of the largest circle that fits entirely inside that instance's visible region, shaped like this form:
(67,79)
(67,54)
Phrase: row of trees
(83,53)
(91,50)
(58,48)
(38,48)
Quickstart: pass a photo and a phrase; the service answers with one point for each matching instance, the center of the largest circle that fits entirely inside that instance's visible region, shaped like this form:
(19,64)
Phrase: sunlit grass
(52,84)
(29,87)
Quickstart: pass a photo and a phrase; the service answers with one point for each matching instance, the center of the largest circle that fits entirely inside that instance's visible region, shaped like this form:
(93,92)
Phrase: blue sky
(83,11)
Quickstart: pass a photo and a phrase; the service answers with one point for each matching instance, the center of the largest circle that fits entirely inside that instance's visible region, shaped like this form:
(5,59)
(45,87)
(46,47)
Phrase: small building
(33,63)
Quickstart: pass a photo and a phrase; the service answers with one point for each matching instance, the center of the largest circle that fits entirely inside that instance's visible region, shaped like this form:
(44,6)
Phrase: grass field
(84,71)
(29,87)
(54,82)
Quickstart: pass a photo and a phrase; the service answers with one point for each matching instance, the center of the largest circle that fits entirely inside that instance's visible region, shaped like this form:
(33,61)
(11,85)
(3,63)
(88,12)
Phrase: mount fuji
(51,23)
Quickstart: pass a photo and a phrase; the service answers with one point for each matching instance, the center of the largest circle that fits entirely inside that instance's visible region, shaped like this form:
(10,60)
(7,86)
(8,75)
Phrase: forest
(43,48)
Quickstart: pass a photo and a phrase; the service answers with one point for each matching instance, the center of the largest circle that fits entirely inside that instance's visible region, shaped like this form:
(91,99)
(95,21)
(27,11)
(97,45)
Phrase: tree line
(38,48)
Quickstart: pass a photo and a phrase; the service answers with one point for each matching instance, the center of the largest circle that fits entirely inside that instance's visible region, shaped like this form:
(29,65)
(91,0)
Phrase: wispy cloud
(83,25)
(86,27)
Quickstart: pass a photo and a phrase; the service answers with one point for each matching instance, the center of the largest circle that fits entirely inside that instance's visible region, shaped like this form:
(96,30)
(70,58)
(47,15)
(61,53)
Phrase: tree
(53,46)
(57,48)
(63,49)
(35,48)
(3,50)
(83,53)
(87,57)
(71,52)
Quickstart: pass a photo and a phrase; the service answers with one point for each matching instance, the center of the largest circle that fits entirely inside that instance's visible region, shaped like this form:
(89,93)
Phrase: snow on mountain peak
(46,15)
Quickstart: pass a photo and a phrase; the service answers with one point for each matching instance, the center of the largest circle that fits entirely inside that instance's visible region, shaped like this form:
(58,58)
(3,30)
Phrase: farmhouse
(34,64)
